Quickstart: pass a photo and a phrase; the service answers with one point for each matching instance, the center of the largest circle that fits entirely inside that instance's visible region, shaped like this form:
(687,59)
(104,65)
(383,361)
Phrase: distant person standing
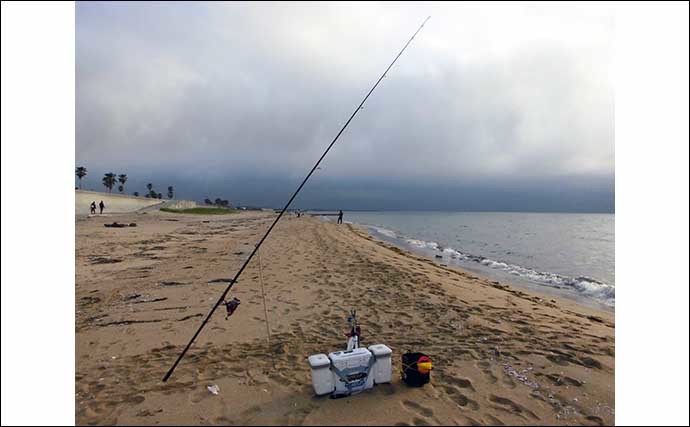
(102,206)
(340,217)
(93,208)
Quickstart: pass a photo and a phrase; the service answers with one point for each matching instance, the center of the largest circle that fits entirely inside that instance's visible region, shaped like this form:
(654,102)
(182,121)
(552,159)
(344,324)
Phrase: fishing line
(263,296)
(287,205)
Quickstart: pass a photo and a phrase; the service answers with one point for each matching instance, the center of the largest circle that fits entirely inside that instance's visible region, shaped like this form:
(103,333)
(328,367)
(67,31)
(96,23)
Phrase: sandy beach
(501,355)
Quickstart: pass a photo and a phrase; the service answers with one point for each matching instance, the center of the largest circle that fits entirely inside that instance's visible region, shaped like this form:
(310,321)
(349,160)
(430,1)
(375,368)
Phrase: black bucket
(416,369)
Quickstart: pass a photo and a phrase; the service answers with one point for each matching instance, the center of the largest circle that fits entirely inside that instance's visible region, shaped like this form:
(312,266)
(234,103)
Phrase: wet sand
(501,355)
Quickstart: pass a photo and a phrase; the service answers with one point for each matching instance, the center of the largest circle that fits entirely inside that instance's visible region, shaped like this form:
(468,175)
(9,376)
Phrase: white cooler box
(352,370)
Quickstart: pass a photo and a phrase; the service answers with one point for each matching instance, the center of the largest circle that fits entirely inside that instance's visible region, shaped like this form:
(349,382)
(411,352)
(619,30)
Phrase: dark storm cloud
(220,96)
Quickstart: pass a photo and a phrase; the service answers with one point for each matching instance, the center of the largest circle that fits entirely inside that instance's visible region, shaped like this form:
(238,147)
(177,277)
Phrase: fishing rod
(287,205)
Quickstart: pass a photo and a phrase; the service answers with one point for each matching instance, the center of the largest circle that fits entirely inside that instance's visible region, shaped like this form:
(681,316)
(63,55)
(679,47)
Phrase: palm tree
(170,192)
(152,192)
(109,180)
(122,178)
(81,173)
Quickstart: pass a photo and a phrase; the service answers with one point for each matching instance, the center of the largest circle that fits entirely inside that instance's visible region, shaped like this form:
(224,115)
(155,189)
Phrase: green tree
(122,178)
(109,181)
(152,193)
(170,192)
(81,173)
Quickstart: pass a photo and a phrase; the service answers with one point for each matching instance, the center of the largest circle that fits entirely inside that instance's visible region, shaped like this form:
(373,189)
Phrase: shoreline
(361,230)
(543,291)
(429,249)
(500,355)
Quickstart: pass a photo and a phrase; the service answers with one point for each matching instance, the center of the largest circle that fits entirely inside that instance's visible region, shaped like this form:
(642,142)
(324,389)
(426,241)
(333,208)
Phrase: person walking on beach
(102,206)
(340,217)
(93,208)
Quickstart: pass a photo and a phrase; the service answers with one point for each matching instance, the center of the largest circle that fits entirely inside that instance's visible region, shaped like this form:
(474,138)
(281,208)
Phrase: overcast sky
(492,107)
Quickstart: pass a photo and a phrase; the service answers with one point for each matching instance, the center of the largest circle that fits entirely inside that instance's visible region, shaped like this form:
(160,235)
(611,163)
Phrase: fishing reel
(352,318)
(231,306)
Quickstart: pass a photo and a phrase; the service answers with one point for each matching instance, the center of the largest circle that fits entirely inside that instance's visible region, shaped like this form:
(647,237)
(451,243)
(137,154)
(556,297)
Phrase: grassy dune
(201,211)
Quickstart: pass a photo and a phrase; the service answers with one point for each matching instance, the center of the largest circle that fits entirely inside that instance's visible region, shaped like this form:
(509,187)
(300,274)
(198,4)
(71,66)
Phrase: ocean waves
(582,285)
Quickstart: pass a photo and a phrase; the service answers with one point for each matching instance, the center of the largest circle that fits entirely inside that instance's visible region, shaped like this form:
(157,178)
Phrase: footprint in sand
(460,399)
(461,382)
(507,381)
(223,420)
(416,407)
(252,411)
(135,400)
(386,389)
(511,406)
(486,370)
(198,395)
(559,380)
(493,421)
(420,422)
(596,420)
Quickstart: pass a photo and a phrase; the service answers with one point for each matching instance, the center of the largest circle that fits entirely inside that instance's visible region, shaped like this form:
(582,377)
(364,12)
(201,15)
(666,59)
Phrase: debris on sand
(173,284)
(150,300)
(103,260)
(118,225)
(220,280)
(131,297)
(521,375)
(115,225)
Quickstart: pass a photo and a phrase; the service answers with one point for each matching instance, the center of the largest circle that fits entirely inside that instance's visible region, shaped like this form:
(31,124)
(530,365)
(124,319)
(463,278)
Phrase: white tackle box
(321,375)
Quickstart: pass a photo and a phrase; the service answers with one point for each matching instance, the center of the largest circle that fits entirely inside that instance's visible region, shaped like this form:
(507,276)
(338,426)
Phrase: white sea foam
(583,285)
(422,244)
(386,232)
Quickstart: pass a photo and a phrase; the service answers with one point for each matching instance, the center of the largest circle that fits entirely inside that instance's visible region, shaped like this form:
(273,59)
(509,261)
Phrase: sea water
(563,254)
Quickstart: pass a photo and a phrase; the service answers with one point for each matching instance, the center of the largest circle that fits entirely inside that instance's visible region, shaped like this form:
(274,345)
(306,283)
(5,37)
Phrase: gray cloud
(207,94)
